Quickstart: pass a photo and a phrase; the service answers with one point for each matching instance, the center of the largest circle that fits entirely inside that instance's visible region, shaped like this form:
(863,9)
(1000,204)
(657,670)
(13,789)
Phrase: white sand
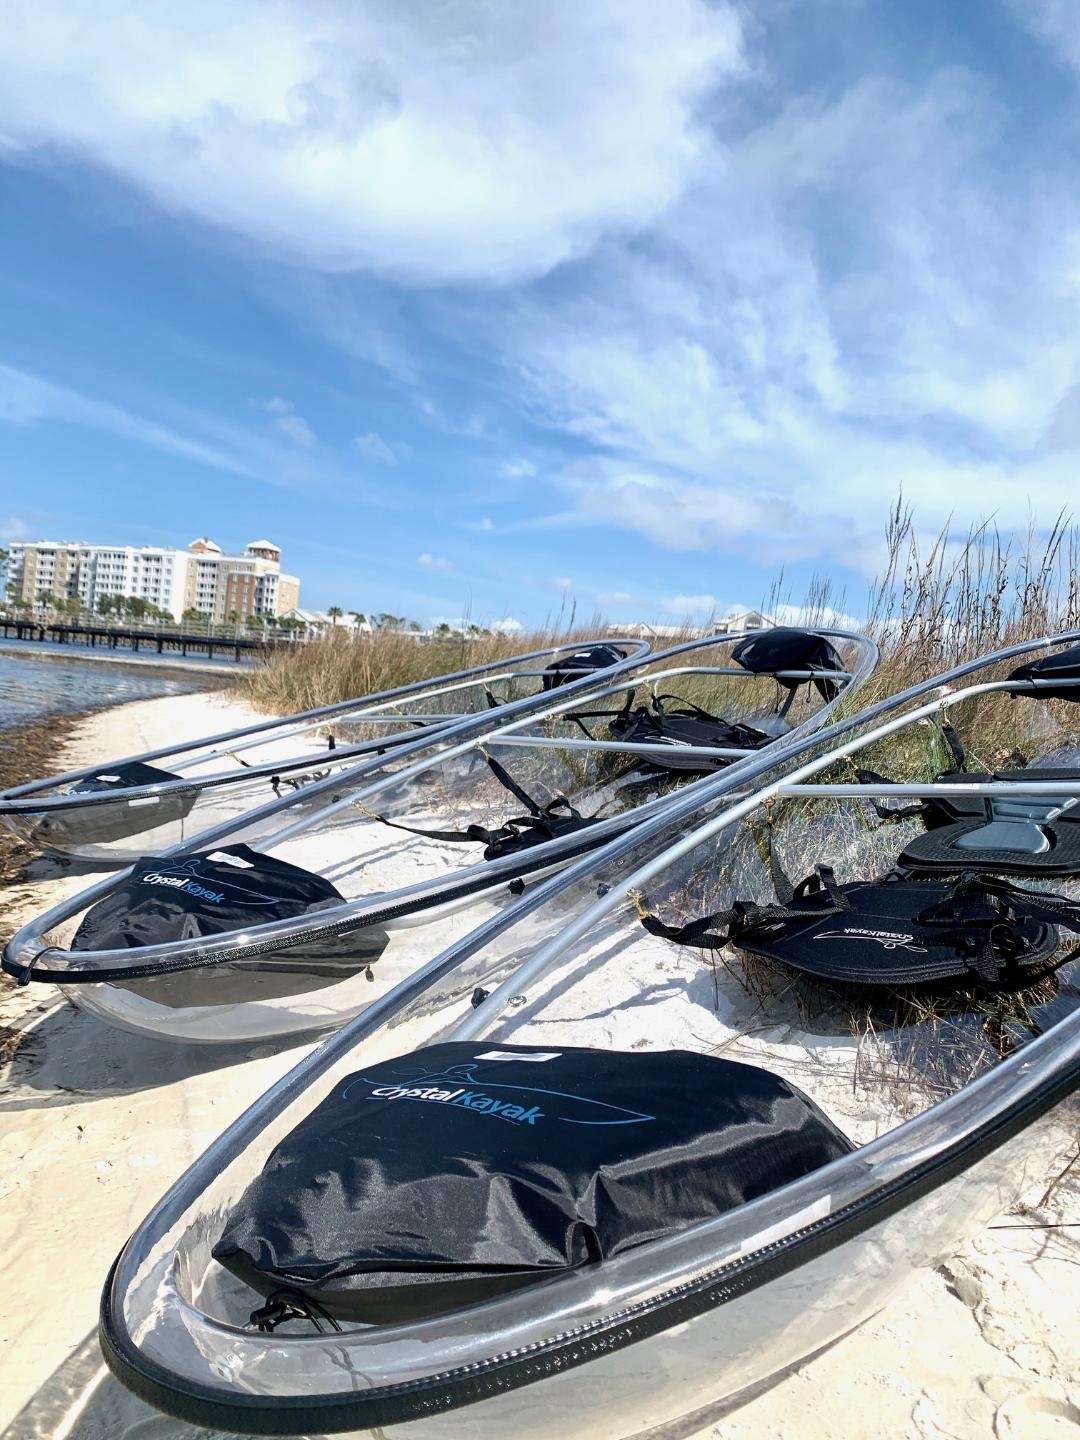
(97,1123)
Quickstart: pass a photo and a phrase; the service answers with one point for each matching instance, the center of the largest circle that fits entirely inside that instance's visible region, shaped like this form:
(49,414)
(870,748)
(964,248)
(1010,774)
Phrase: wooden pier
(116,637)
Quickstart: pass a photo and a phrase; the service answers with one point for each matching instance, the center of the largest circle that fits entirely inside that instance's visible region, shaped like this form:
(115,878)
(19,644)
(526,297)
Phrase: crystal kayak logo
(186,875)
(459,1088)
(184,879)
(887,939)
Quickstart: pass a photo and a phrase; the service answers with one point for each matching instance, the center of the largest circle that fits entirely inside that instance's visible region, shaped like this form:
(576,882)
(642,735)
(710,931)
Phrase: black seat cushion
(949,818)
(678,729)
(785,648)
(909,933)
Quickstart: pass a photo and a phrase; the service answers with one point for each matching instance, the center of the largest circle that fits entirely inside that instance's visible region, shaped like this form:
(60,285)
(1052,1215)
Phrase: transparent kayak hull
(679,1346)
(115,811)
(378,830)
(952,1118)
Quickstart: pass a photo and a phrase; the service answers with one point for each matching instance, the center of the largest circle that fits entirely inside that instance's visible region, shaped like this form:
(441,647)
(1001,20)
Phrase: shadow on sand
(69,1057)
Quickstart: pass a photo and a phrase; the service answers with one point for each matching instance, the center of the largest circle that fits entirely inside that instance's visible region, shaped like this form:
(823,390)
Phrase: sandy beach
(97,1123)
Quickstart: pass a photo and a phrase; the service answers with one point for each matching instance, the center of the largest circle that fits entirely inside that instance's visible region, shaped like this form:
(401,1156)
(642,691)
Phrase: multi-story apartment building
(242,585)
(201,578)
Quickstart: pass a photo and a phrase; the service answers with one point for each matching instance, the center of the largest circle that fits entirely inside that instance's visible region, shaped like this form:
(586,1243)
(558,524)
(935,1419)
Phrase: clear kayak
(113,812)
(849,1054)
(296,915)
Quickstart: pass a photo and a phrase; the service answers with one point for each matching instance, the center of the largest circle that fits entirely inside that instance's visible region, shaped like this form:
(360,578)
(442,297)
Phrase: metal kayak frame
(33,799)
(28,954)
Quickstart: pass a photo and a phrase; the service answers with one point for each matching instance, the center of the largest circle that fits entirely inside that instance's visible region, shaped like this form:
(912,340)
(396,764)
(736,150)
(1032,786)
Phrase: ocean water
(34,686)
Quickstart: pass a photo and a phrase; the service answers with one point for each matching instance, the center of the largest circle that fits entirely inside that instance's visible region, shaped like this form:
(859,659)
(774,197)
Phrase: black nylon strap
(888,812)
(743,915)
(506,779)
(688,705)
(955,744)
(789,700)
(538,818)
(977,897)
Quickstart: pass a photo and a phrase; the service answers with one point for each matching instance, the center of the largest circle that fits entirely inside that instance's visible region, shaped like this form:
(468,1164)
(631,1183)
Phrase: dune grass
(339,665)
(937,602)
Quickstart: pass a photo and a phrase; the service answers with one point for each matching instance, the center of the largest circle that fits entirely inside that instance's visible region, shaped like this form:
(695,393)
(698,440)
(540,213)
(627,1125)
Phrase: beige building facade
(201,578)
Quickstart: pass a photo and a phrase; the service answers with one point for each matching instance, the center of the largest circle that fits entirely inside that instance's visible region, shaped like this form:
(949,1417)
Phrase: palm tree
(335,612)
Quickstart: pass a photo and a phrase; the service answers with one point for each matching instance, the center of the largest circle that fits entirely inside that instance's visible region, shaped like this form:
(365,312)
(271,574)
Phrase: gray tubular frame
(18,799)
(25,948)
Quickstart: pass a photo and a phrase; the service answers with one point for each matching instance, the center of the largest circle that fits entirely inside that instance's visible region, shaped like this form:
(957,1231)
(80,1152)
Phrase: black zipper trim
(435,1394)
(208,958)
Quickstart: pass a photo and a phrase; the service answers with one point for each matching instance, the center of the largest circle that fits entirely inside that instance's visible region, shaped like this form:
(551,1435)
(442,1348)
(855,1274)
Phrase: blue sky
(492,307)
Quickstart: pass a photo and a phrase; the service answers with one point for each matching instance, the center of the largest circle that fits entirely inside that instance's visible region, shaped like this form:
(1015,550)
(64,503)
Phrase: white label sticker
(222,857)
(801,1218)
(109,779)
(538,1057)
(146,800)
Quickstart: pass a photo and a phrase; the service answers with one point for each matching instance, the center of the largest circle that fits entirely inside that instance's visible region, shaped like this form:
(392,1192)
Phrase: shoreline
(35,751)
(226,670)
(27,752)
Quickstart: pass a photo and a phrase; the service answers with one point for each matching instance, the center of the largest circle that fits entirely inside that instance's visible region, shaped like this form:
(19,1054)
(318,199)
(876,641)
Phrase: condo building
(200,578)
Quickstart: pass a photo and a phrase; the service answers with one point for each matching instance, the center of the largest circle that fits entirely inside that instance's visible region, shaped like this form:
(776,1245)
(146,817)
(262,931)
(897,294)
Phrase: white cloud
(517,469)
(1053,21)
(296,428)
(191,435)
(614,597)
(472,141)
(690,605)
(804,616)
(774,305)
(484,523)
(383,452)
(508,625)
(287,422)
(828,316)
(561,582)
(427,561)
(677,513)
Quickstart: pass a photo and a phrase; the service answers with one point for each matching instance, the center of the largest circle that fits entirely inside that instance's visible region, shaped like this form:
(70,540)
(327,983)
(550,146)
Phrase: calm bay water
(34,687)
